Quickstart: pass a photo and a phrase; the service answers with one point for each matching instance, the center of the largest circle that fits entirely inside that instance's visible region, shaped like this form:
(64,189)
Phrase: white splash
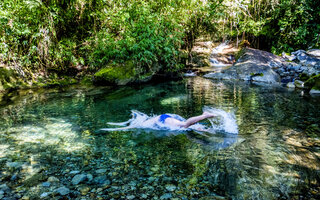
(222,122)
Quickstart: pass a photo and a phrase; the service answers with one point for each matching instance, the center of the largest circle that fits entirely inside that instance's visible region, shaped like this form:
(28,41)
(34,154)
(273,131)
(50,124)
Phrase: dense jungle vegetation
(61,35)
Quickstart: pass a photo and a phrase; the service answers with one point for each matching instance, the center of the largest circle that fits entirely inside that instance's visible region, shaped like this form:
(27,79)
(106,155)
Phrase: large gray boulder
(314,53)
(254,65)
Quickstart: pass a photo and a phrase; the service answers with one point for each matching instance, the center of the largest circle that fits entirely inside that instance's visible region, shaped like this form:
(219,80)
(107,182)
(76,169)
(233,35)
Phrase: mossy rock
(86,80)
(35,179)
(304,77)
(116,74)
(313,82)
(56,82)
(10,79)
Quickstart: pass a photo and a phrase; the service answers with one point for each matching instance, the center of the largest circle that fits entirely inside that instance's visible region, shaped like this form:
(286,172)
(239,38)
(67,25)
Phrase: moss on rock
(10,79)
(313,82)
(116,74)
(304,77)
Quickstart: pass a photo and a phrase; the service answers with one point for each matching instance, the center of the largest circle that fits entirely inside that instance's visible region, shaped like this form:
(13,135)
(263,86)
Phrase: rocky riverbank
(301,69)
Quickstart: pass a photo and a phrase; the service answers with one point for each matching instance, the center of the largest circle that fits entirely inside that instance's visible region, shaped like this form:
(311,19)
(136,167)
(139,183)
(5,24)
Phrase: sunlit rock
(253,65)
(53,179)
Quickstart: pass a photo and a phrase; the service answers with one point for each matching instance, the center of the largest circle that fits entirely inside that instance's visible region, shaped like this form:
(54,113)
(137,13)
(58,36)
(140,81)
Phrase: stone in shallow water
(14,165)
(4,187)
(46,184)
(130,197)
(84,190)
(171,188)
(44,195)
(101,171)
(53,179)
(78,179)
(74,172)
(101,180)
(62,191)
(166,196)
(89,177)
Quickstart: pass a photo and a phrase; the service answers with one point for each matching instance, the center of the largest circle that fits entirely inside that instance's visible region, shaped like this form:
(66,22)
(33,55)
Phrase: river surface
(51,145)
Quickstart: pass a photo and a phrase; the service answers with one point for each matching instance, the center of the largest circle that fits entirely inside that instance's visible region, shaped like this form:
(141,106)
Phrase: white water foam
(222,122)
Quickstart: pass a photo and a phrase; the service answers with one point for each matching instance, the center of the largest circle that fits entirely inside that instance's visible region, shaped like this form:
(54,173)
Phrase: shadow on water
(49,140)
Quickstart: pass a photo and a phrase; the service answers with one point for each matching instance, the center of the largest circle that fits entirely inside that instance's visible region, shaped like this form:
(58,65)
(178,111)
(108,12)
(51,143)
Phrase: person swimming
(172,121)
(169,121)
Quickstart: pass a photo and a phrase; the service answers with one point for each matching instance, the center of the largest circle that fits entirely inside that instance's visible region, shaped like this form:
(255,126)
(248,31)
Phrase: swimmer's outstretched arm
(196,119)
(189,121)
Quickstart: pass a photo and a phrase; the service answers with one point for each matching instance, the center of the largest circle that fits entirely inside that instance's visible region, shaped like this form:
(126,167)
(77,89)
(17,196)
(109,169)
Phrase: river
(51,145)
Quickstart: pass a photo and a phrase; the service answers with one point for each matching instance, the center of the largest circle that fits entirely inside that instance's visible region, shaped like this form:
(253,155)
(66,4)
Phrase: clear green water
(276,154)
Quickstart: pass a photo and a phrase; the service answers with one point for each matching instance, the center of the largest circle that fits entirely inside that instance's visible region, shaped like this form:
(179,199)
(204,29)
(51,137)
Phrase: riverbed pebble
(53,179)
(101,171)
(78,179)
(166,196)
(63,191)
(171,188)
(74,172)
(46,184)
(44,195)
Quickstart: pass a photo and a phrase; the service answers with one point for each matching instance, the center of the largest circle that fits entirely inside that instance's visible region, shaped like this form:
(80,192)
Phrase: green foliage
(284,25)
(57,35)
(63,35)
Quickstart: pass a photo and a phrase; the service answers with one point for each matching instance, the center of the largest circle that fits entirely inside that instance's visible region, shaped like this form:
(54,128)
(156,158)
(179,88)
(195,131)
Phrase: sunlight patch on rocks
(56,132)
(3,150)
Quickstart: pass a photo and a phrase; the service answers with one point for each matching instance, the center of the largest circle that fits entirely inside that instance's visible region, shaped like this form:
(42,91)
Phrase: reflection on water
(56,134)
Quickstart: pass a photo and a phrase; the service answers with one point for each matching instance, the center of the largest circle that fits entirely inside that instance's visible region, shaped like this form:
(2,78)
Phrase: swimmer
(171,121)
(166,120)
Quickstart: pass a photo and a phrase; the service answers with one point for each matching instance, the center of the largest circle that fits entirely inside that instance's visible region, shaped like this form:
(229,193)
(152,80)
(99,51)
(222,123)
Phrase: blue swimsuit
(163,117)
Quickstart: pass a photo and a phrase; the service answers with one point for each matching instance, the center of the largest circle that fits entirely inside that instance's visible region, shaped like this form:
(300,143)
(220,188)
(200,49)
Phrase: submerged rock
(14,165)
(171,188)
(35,179)
(78,179)
(44,195)
(101,180)
(166,196)
(53,179)
(62,191)
(101,171)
